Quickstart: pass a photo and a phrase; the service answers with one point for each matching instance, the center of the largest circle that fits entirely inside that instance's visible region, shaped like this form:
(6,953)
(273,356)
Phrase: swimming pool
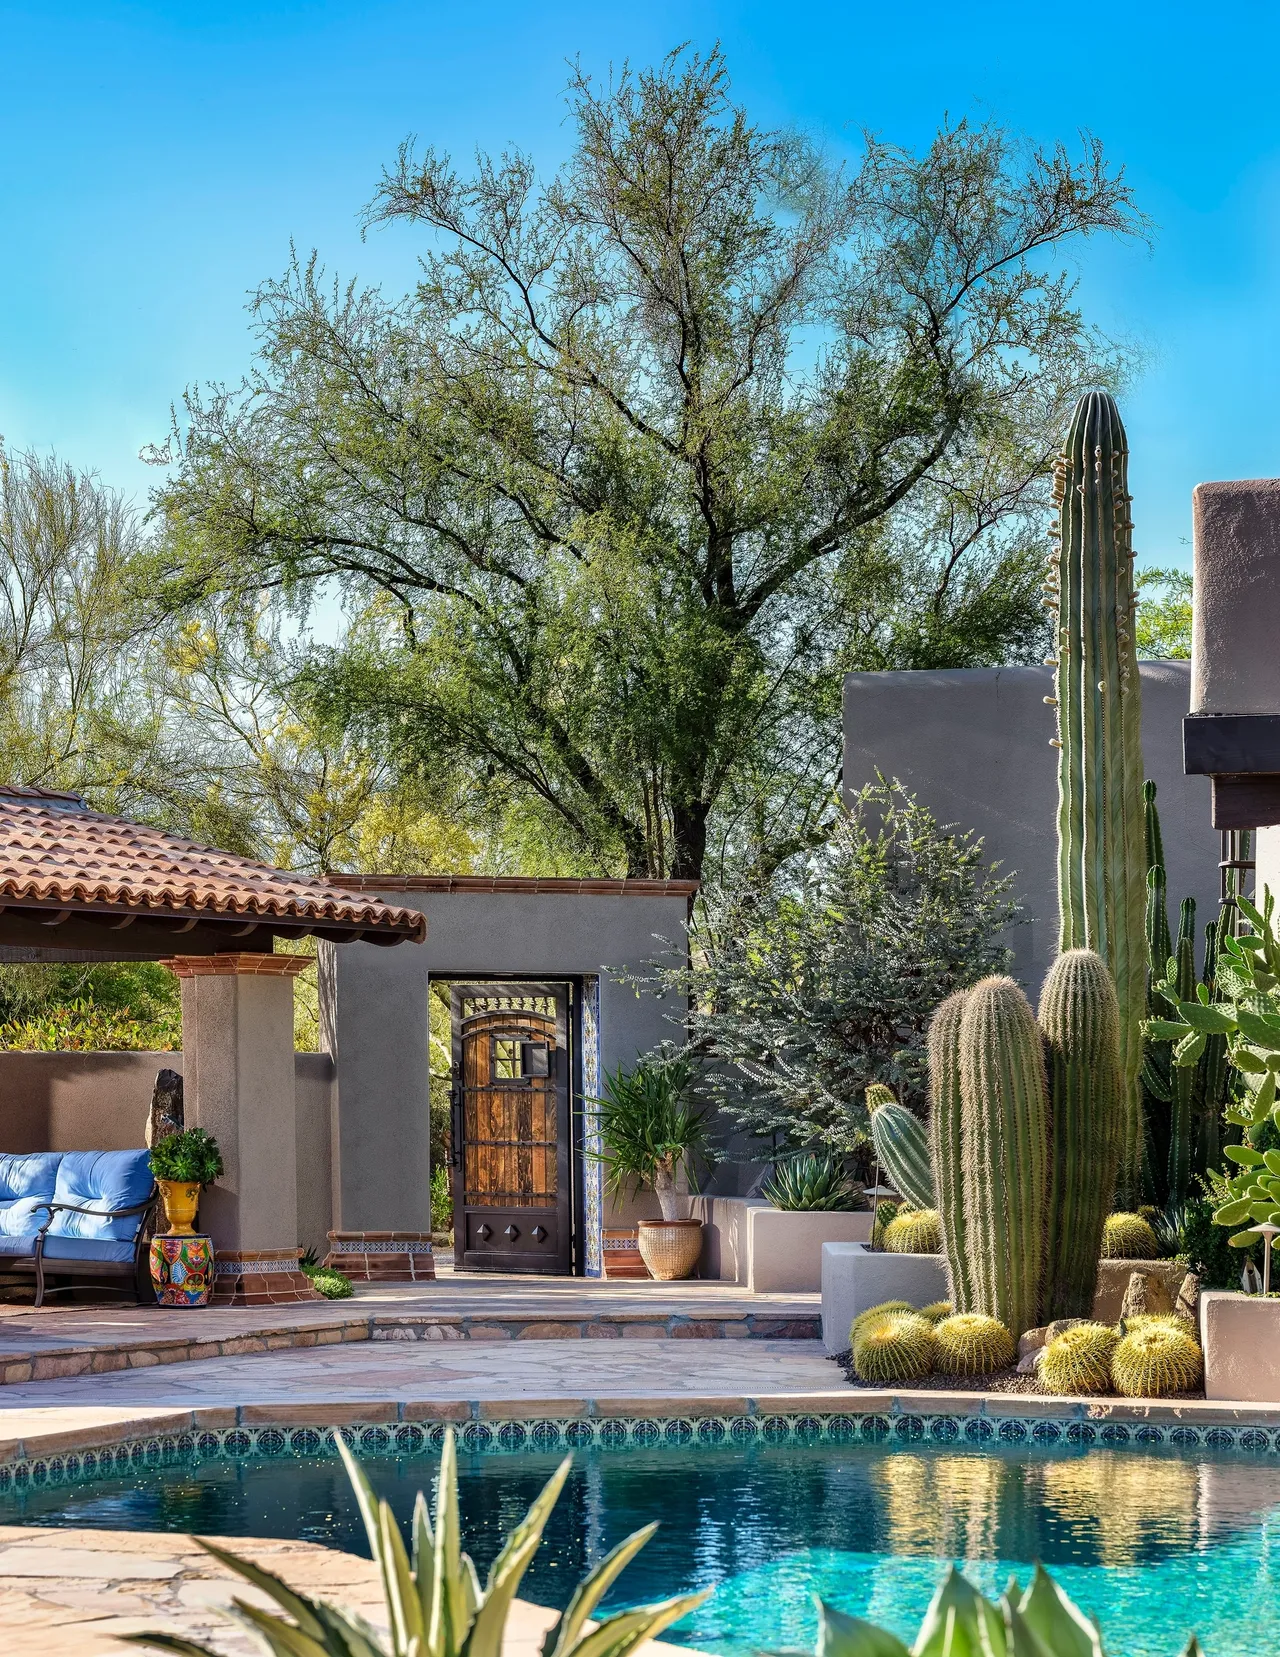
(1152,1540)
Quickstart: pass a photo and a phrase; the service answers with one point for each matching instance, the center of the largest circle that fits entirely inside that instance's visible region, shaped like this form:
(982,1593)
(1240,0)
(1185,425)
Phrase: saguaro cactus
(1080,1022)
(946,1145)
(1004,1111)
(1098,697)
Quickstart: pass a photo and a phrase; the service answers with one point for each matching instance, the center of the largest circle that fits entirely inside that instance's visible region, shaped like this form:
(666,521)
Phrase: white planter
(854,1278)
(784,1250)
(1241,1339)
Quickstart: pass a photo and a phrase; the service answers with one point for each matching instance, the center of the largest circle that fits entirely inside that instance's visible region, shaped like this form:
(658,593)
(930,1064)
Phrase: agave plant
(804,1184)
(1042,1622)
(436,1606)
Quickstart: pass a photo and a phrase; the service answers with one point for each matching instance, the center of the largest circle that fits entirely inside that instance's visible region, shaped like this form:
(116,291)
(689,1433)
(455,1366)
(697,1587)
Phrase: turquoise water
(1153,1542)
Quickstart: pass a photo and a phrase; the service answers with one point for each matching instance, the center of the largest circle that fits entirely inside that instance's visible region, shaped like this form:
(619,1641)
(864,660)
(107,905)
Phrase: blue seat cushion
(101,1180)
(23,1216)
(15,1243)
(86,1248)
(32,1175)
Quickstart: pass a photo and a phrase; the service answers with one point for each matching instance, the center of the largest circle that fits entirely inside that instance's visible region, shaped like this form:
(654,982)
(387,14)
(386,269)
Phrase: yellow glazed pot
(181,1198)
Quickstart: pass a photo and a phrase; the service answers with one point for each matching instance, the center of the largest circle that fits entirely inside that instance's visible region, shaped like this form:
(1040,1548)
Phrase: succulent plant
(913,1231)
(971,1343)
(946,1144)
(1098,699)
(1129,1237)
(873,1312)
(901,1145)
(436,1606)
(936,1310)
(1157,1359)
(812,1184)
(1079,1360)
(893,1348)
(1079,1019)
(961,1623)
(1004,1111)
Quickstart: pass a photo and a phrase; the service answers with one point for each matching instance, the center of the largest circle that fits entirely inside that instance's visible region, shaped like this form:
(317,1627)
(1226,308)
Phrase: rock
(1113,1280)
(1029,1362)
(166,1115)
(1187,1300)
(1031,1341)
(1059,1326)
(1146,1293)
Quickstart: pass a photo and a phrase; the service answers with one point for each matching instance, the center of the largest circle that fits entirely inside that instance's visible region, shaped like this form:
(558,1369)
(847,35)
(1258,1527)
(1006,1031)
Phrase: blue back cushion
(33,1175)
(101,1180)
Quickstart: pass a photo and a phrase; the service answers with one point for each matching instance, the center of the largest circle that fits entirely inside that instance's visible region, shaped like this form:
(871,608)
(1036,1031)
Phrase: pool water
(1154,1542)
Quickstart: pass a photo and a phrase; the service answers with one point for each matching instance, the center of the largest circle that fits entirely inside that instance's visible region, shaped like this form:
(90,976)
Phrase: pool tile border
(513,1431)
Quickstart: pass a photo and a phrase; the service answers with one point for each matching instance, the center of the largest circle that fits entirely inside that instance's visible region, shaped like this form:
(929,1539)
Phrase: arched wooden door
(512,1132)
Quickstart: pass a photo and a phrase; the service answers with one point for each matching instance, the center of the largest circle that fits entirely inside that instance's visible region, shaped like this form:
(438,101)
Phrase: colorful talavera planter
(182,1270)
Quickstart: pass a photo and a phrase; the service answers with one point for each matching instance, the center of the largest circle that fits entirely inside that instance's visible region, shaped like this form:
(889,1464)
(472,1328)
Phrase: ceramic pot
(181,1198)
(182,1270)
(670,1248)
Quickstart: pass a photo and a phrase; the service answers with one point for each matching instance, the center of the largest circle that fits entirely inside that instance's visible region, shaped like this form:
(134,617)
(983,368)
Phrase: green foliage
(970,1343)
(332,1284)
(1129,1237)
(1162,627)
(1078,1361)
(1079,1019)
(1005,1120)
(1182,1105)
(807,987)
(1098,700)
(650,1126)
(808,1184)
(893,1348)
(1040,1622)
(626,525)
(441,1200)
(112,1007)
(189,1156)
(913,1231)
(1208,1248)
(434,1602)
(902,1146)
(1155,1359)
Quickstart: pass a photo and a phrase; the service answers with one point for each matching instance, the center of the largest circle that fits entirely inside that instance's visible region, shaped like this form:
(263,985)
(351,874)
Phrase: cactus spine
(1101,885)
(946,1145)
(1080,1022)
(1004,1111)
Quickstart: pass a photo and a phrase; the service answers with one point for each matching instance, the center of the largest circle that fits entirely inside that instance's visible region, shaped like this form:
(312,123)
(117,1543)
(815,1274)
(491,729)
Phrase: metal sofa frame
(137,1274)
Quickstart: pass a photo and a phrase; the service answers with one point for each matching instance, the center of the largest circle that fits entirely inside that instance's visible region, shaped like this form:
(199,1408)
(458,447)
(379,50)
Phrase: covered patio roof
(76,884)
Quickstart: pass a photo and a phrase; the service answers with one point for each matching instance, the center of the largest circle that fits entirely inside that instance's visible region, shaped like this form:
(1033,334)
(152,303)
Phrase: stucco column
(237,1041)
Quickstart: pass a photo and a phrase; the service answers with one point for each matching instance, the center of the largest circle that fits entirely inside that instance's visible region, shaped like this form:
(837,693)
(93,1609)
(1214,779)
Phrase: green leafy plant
(650,1127)
(809,1184)
(1040,1622)
(326,1280)
(83,1026)
(441,1200)
(191,1157)
(435,1604)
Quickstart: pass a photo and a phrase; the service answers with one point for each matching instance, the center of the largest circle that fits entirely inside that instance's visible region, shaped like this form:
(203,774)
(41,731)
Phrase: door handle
(455,1133)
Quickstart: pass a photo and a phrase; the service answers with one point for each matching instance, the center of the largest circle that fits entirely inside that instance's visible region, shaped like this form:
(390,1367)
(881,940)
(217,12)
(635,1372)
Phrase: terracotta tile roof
(56,852)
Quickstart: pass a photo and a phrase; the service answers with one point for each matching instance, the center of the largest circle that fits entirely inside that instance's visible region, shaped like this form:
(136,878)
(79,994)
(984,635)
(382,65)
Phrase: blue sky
(156,160)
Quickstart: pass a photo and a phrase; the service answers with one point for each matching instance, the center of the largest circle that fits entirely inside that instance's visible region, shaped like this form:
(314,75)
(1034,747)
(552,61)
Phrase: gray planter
(854,1278)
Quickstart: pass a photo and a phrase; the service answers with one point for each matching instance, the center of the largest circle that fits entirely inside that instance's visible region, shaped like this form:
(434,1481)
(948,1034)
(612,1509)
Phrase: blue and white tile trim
(621,1433)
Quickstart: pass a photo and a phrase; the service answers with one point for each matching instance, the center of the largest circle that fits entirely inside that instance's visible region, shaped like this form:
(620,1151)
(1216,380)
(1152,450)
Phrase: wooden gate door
(512,1137)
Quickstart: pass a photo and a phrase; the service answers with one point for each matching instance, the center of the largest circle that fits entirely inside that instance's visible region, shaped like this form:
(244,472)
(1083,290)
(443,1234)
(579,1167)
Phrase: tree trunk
(664,1186)
(689,840)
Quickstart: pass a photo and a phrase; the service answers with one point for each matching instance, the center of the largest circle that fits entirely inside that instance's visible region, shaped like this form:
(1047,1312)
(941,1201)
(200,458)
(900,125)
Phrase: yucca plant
(436,1606)
(650,1127)
(1042,1622)
(807,1184)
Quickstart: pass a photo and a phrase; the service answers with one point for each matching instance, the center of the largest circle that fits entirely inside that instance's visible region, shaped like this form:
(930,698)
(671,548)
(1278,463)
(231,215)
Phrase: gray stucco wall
(374,1017)
(973,745)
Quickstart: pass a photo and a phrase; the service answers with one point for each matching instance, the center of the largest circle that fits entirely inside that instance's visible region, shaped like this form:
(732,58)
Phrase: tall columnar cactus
(1080,1022)
(1101,866)
(946,1145)
(1004,1110)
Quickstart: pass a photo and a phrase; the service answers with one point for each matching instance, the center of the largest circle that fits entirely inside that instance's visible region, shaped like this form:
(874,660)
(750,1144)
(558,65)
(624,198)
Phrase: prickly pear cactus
(1098,701)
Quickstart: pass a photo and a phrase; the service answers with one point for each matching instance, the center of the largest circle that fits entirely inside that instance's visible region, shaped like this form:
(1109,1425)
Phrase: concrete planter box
(1241,1339)
(725,1238)
(784,1250)
(854,1278)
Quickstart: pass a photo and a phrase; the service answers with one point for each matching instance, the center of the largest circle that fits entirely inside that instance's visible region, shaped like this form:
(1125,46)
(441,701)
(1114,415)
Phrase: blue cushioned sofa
(77,1214)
